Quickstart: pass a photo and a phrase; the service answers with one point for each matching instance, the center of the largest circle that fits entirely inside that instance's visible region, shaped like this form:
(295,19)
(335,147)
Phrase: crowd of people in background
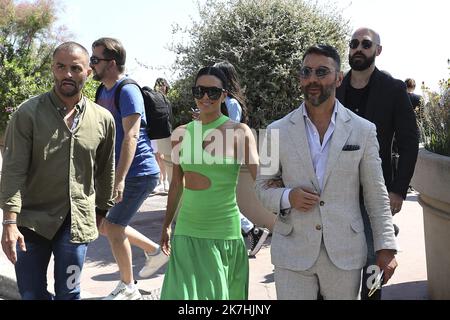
(335,190)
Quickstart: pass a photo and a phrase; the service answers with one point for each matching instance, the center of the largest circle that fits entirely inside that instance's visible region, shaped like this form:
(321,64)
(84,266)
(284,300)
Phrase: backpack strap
(97,92)
(119,88)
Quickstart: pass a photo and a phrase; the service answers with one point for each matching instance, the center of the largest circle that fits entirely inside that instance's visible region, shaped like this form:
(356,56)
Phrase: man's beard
(97,77)
(325,93)
(70,93)
(361,62)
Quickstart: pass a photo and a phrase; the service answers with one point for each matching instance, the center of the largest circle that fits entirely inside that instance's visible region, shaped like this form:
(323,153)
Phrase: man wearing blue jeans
(58,165)
(32,264)
(137,172)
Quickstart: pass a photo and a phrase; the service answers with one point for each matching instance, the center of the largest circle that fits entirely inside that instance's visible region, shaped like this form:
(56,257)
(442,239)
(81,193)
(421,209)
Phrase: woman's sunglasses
(213,93)
(366,44)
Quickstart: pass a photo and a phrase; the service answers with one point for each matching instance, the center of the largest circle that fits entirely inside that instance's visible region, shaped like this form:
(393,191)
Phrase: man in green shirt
(58,166)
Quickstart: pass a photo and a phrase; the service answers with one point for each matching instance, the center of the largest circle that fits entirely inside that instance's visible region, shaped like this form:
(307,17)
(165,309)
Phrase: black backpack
(158,111)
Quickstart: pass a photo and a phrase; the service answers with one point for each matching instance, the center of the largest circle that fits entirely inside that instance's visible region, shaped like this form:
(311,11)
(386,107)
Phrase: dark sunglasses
(320,72)
(95,60)
(366,44)
(213,93)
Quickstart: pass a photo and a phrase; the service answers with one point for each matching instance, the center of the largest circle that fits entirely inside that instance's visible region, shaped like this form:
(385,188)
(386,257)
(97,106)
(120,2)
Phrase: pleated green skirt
(206,269)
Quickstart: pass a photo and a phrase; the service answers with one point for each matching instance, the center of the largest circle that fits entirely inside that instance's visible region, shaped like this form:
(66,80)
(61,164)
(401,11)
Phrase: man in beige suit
(326,154)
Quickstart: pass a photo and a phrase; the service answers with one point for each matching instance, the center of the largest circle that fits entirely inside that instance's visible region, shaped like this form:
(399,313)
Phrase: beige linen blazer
(353,161)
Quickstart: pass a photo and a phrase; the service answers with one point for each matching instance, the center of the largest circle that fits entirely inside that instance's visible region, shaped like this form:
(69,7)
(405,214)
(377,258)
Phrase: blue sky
(413,35)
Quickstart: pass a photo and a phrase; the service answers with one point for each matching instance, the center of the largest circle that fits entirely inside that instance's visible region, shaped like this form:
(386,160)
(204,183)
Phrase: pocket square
(350,147)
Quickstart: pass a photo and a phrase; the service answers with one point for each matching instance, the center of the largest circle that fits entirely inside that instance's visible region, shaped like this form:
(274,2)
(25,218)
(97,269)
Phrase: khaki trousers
(333,283)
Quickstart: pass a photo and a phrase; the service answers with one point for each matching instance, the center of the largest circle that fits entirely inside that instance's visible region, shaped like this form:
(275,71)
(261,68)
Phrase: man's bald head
(71,46)
(367,31)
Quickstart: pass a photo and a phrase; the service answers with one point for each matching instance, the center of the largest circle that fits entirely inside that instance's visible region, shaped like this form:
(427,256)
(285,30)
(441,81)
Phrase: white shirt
(319,151)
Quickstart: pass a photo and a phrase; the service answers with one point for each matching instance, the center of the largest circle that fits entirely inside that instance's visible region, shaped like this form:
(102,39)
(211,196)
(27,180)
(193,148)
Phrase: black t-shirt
(356,99)
(415,99)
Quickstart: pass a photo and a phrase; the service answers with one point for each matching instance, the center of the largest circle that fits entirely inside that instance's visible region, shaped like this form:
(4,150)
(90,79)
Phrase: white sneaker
(159,189)
(156,189)
(166,186)
(153,263)
(123,292)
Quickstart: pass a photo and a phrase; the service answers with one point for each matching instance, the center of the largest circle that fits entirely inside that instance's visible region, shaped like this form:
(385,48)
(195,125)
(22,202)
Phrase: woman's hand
(165,240)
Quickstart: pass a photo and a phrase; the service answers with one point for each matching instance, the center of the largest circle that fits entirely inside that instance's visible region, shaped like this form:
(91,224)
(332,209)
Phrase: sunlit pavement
(100,274)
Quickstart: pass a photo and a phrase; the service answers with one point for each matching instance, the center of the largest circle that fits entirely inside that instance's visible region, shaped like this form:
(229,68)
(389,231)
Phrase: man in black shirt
(416,100)
(383,100)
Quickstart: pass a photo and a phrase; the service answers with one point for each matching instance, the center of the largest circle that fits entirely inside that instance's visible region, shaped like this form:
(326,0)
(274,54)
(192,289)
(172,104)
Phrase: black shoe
(257,237)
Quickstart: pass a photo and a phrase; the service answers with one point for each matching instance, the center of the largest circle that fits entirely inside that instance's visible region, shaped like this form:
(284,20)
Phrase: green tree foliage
(90,87)
(27,41)
(265,41)
(434,123)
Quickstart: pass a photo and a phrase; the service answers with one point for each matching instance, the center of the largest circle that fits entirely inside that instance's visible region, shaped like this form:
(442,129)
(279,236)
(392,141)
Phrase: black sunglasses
(366,44)
(320,72)
(96,60)
(213,93)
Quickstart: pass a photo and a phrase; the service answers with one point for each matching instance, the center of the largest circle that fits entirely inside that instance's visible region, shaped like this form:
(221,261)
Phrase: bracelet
(5,222)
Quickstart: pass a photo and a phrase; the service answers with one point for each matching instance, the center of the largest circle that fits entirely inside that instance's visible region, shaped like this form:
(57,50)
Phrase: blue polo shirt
(131,102)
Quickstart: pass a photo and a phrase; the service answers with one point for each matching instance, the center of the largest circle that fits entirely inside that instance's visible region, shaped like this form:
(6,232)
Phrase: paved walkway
(100,274)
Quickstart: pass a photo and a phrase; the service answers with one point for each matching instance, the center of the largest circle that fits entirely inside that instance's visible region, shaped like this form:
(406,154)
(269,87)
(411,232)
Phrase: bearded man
(383,100)
(326,153)
(58,166)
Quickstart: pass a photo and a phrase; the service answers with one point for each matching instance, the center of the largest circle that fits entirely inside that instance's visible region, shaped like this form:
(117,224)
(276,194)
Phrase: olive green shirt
(50,171)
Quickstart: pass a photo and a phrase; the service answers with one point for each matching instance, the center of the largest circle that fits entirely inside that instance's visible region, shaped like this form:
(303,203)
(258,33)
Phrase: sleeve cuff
(11,208)
(285,204)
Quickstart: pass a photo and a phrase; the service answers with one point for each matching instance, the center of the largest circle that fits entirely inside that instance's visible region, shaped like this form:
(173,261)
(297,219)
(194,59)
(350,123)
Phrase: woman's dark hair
(235,90)
(160,82)
(216,72)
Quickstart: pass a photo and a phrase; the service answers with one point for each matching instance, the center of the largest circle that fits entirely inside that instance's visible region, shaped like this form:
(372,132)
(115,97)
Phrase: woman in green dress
(208,257)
